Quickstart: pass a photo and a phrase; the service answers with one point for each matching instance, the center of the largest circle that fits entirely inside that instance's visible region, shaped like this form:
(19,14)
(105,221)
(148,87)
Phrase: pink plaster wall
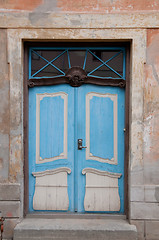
(104,6)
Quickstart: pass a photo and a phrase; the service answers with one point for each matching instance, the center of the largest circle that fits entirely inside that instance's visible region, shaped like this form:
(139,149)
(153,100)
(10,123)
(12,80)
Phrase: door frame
(126,45)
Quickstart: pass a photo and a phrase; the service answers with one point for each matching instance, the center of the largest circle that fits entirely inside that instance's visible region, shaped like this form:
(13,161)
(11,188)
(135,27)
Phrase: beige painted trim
(51,172)
(78,20)
(138,58)
(102,173)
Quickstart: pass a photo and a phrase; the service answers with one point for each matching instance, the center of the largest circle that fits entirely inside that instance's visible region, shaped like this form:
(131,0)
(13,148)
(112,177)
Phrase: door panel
(106,113)
(51,147)
(91,179)
(51,125)
(101,127)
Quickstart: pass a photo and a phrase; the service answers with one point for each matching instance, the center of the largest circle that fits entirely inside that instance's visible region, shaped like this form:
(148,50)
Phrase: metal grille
(106,63)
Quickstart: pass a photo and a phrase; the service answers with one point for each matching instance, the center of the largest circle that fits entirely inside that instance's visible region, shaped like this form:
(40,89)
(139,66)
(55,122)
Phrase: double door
(76,148)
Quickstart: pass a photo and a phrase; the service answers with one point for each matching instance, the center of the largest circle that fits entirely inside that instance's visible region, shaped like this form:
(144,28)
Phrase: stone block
(140,228)
(151,172)
(10,208)
(9,191)
(75,229)
(137,194)
(9,225)
(152,193)
(137,177)
(152,230)
(142,210)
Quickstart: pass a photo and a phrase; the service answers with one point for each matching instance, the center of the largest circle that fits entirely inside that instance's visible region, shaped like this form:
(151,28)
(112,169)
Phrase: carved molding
(89,80)
(52,171)
(76,76)
(102,173)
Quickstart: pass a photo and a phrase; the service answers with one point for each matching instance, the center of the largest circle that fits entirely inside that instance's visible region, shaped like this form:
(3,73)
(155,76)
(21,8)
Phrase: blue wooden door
(62,177)
(51,148)
(63,174)
(100,167)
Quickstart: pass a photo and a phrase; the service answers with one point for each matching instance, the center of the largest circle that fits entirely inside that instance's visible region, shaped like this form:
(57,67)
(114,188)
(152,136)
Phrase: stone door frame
(137,38)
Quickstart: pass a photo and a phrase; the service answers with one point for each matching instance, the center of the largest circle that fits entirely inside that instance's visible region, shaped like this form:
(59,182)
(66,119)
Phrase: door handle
(80,144)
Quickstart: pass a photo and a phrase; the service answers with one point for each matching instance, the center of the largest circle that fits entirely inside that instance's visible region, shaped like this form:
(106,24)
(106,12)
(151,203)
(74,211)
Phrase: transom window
(97,62)
(76,66)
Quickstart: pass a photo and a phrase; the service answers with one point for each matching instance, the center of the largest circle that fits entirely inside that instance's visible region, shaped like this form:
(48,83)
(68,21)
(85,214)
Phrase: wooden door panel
(101,126)
(51,148)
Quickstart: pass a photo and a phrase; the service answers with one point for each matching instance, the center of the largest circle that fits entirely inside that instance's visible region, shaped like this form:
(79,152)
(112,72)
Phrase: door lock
(80,144)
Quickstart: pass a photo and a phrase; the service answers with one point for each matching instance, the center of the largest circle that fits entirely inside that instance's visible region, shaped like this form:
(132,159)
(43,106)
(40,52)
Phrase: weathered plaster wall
(151,134)
(146,192)
(137,21)
(9,192)
(151,110)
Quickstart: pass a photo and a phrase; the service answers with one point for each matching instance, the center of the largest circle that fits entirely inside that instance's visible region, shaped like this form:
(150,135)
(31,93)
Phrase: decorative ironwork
(107,70)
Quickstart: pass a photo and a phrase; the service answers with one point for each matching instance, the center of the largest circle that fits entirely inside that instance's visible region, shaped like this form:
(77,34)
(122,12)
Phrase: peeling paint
(38,17)
(151,109)
(153,52)
(15,159)
(47,6)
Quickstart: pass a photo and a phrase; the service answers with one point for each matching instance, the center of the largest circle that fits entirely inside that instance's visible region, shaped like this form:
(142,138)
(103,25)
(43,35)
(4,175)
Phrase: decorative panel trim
(51,190)
(32,82)
(52,171)
(101,190)
(102,173)
(89,155)
(62,155)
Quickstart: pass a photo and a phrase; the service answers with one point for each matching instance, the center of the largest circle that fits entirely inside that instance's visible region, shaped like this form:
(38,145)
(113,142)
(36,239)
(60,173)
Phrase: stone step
(74,229)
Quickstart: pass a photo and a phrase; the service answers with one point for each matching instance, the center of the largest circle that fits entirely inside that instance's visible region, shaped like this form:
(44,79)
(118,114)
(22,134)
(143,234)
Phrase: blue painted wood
(101,124)
(51,126)
(48,107)
(102,127)
(81,155)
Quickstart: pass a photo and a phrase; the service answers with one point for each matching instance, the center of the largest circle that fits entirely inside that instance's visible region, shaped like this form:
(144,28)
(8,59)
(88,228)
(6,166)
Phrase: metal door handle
(80,144)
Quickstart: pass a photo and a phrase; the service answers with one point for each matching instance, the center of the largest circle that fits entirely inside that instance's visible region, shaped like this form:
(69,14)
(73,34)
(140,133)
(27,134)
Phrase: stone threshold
(74,229)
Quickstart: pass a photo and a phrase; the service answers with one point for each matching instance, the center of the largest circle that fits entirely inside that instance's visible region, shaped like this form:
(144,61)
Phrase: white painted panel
(114,199)
(39,97)
(101,191)
(51,190)
(89,155)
